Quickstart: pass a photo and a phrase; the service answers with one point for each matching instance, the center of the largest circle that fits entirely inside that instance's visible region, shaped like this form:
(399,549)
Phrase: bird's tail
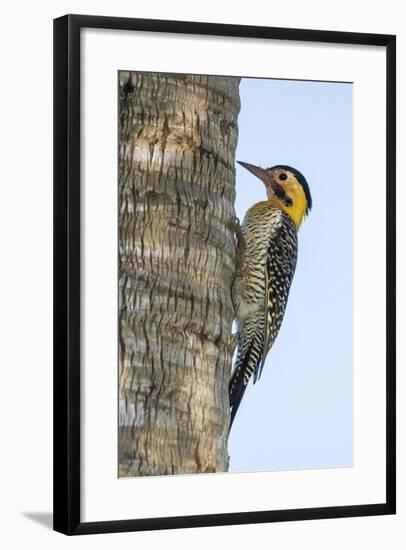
(249,357)
(237,389)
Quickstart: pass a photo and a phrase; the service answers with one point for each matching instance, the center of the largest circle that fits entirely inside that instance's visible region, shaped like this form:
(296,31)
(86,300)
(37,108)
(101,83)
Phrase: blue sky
(299,415)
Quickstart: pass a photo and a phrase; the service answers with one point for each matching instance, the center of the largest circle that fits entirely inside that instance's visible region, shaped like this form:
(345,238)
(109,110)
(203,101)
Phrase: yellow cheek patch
(299,207)
(299,203)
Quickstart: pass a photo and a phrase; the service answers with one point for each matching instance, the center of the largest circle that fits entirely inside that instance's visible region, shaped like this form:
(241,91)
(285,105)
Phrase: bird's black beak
(256,170)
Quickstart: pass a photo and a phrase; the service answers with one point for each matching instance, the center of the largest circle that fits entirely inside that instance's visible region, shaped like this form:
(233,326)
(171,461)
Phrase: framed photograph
(224,274)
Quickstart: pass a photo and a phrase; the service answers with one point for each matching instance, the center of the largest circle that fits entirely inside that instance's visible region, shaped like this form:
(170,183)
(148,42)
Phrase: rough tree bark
(177,140)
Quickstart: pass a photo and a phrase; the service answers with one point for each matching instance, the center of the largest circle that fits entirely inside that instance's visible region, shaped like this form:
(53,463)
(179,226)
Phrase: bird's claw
(233,224)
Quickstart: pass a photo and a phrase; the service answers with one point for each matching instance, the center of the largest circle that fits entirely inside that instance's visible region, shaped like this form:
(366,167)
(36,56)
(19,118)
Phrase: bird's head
(286,188)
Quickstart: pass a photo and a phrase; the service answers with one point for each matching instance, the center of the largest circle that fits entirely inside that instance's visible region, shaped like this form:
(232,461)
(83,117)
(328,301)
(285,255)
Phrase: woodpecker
(266,261)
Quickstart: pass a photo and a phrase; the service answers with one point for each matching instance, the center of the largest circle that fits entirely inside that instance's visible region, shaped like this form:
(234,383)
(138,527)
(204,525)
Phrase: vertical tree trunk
(178,135)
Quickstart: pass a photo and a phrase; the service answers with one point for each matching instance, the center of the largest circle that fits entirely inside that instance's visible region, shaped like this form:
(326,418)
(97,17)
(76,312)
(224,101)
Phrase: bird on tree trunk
(266,260)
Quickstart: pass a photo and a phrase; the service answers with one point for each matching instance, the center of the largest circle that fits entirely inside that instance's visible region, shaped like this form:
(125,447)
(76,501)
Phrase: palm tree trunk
(177,139)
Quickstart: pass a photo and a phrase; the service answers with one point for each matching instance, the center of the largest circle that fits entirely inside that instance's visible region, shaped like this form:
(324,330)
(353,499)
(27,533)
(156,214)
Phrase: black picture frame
(67,293)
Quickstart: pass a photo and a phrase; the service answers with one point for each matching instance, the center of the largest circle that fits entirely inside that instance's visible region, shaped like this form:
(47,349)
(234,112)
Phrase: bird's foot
(233,223)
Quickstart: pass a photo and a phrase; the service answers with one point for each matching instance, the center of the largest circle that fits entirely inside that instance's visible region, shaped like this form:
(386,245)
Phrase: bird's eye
(283,176)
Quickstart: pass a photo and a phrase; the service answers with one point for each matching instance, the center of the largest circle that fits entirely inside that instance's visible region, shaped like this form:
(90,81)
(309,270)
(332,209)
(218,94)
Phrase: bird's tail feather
(236,402)
(237,389)
(248,357)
